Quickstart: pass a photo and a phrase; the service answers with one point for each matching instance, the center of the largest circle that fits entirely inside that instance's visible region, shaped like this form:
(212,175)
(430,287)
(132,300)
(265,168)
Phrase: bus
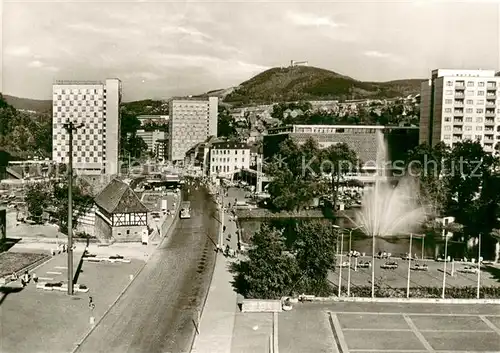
(185,210)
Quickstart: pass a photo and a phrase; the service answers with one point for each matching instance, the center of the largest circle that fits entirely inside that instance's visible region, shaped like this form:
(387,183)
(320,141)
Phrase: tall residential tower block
(96,106)
(461,104)
(192,120)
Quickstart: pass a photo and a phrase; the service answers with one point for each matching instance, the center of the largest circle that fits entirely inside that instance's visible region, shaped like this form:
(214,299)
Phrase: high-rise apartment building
(192,120)
(95,105)
(461,104)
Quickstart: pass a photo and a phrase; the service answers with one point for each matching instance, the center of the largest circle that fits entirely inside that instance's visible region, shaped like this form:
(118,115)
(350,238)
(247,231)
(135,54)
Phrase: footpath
(218,318)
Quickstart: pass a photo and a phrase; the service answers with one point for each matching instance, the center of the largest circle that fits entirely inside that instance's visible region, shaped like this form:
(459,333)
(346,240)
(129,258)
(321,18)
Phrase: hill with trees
(312,83)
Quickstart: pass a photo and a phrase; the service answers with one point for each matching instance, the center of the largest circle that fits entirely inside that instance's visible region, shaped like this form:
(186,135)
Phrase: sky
(164,48)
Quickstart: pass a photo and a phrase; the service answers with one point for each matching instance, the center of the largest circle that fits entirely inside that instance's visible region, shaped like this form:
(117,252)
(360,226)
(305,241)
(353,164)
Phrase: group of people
(25,278)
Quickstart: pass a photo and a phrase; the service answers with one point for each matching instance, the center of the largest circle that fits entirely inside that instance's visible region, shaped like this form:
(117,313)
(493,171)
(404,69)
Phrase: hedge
(427,292)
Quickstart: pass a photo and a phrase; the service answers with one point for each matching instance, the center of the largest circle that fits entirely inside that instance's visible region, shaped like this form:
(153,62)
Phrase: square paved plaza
(391,328)
(412,332)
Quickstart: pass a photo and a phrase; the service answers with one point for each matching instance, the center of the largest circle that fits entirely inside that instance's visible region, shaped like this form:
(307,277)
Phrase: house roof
(118,197)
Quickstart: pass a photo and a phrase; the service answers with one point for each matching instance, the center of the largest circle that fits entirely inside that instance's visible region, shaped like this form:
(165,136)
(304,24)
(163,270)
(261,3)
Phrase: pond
(396,245)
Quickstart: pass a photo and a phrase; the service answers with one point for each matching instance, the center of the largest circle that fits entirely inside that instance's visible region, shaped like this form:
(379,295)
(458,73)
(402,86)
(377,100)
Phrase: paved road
(156,313)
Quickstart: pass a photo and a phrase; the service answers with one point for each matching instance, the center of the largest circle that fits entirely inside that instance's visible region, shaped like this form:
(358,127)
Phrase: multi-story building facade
(153,119)
(228,157)
(461,104)
(362,139)
(161,150)
(150,137)
(96,106)
(191,121)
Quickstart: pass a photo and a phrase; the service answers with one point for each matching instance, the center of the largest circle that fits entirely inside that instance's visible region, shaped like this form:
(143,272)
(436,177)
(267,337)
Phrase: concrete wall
(102,229)
(128,233)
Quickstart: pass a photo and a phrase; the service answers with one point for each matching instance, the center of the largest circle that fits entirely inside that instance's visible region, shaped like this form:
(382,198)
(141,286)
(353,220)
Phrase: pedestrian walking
(26,277)
(13,277)
(35,278)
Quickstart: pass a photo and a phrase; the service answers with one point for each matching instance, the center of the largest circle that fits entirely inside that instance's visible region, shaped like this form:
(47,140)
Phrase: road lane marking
(61,267)
(45,279)
(409,330)
(407,313)
(417,333)
(338,334)
(54,273)
(490,324)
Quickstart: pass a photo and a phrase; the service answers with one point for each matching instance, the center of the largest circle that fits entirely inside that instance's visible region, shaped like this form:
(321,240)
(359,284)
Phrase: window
(449,92)
(449,83)
(481,84)
(479,128)
(447,128)
(447,110)
(470,101)
(480,102)
(470,83)
(480,93)
(468,119)
(448,101)
(469,110)
(447,137)
(479,120)
(479,110)
(479,137)
(470,93)
(447,119)
(468,128)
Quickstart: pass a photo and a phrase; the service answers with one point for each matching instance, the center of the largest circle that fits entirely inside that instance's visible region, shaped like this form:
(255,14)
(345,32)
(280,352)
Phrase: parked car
(364,264)
(468,269)
(420,267)
(390,265)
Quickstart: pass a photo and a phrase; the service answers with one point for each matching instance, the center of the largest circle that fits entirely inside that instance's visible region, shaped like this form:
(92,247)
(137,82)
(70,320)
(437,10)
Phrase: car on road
(185,212)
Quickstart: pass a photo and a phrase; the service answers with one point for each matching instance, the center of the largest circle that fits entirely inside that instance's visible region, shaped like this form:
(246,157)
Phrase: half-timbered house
(120,215)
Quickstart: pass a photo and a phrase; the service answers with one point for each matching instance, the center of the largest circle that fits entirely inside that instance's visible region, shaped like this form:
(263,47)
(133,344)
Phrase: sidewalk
(217,322)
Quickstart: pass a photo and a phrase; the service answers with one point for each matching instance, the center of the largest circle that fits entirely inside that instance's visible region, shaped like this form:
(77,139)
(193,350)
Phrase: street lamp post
(445,260)
(350,255)
(479,268)
(70,128)
(341,264)
(373,265)
(409,270)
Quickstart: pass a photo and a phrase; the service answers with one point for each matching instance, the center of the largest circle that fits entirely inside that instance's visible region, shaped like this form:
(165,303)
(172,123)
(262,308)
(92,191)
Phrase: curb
(167,234)
(405,300)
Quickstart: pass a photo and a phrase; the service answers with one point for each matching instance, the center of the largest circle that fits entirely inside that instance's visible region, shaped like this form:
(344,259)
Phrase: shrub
(428,292)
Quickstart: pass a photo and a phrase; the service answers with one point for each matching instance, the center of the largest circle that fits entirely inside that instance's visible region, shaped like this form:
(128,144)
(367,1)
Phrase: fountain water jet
(387,210)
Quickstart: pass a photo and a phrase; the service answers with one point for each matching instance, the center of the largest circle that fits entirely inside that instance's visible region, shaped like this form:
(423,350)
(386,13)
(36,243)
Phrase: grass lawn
(15,261)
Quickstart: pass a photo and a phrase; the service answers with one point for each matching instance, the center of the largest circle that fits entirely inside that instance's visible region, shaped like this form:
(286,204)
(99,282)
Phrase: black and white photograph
(249,176)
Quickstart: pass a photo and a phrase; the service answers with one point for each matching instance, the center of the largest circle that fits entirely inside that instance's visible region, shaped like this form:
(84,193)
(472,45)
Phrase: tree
(269,272)
(37,198)
(54,194)
(296,178)
(315,250)
(467,168)
(338,160)
(427,164)
(225,123)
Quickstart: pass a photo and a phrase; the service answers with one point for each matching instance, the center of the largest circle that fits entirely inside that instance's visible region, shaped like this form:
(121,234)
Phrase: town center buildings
(95,105)
(192,121)
(461,104)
